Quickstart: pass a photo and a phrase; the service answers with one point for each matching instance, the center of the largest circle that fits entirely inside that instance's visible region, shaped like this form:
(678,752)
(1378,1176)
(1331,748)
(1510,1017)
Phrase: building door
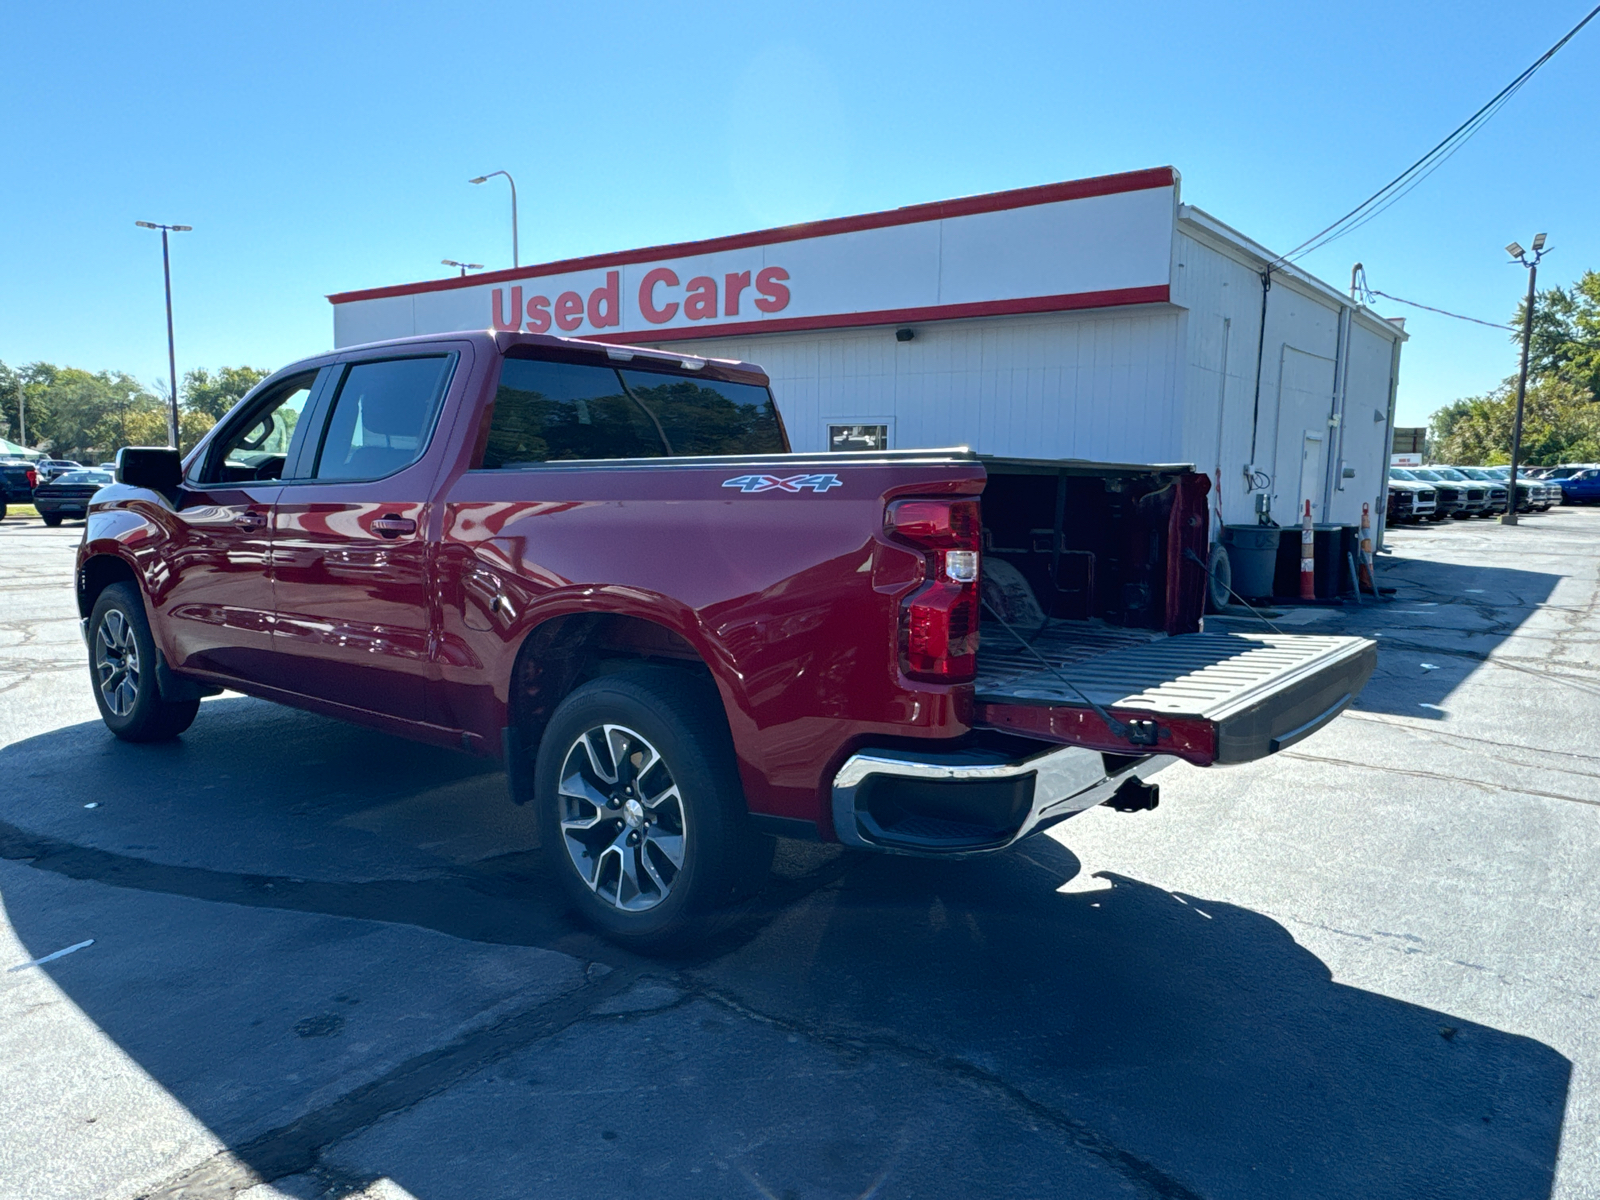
(1311,464)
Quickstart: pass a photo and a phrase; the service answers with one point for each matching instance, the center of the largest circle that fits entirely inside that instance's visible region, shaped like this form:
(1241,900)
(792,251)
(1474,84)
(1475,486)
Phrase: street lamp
(172,355)
(515,262)
(1519,255)
(465,267)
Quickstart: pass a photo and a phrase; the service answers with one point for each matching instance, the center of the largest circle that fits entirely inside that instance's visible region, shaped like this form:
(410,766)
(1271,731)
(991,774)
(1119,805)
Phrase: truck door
(215,605)
(354,610)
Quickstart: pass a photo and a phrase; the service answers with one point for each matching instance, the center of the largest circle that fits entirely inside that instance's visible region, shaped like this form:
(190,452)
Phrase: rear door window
(555,411)
(550,411)
(707,416)
(382,417)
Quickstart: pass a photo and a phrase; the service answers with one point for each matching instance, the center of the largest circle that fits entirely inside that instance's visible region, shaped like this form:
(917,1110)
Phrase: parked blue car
(1581,487)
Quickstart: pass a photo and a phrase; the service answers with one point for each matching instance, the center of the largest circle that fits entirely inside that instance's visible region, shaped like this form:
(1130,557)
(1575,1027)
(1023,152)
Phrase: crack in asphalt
(295,1148)
(1417,773)
(1146,1176)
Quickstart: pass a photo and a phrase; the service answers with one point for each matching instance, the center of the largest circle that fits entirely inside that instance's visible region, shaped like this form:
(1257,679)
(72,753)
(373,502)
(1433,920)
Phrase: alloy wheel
(116,663)
(622,817)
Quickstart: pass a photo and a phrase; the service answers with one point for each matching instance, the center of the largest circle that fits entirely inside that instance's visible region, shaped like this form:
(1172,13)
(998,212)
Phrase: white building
(1099,318)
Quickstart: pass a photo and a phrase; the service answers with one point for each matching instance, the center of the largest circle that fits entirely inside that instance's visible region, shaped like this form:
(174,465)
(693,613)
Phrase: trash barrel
(1252,553)
(1331,544)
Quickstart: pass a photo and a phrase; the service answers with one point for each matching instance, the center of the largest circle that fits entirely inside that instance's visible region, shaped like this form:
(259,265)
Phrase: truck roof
(728,369)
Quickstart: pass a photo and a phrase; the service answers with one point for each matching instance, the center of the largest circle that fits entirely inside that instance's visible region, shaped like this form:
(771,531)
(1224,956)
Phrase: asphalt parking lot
(324,962)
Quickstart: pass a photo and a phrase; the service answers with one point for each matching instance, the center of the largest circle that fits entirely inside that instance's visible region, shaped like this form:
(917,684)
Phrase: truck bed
(1216,697)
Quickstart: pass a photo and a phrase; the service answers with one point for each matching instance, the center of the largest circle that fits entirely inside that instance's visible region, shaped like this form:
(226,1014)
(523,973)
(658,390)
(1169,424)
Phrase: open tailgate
(1205,697)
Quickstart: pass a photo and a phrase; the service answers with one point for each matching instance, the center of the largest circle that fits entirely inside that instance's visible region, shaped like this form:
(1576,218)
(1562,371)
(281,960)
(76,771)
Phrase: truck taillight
(939,621)
(33,478)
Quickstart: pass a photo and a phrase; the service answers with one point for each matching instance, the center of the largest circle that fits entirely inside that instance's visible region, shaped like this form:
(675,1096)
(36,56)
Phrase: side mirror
(159,468)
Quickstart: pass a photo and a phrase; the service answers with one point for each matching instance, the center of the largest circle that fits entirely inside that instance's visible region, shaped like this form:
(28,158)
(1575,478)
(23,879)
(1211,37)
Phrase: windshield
(1448,473)
(1419,473)
(1399,473)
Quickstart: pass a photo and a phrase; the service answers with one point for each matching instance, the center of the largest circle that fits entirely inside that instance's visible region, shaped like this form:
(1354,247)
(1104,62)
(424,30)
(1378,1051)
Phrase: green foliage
(1566,333)
(1561,417)
(1560,423)
(214,396)
(88,417)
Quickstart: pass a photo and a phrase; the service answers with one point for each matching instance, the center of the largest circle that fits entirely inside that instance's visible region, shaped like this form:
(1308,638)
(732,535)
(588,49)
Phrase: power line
(1442,312)
(1397,188)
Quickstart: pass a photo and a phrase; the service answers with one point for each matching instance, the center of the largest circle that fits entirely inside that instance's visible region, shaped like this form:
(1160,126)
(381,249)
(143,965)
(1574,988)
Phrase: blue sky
(319,148)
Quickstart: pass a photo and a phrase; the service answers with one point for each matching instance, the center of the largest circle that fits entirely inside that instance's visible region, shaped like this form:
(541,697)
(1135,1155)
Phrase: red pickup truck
(603,565)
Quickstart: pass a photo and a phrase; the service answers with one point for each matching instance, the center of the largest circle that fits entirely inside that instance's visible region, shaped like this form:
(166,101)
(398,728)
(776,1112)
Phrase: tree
(214,396)
(1566,333)
(88,416)
(1560,423)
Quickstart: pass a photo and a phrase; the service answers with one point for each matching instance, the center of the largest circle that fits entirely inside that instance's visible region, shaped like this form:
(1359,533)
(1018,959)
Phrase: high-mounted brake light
(939,620)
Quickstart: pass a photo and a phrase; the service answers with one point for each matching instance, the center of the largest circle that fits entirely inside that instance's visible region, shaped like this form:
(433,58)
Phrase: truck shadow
(1196,1038)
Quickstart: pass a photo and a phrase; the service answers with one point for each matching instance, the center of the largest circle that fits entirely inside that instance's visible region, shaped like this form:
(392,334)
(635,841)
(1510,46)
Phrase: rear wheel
(50,519)
(122,665)
(1219,578)
(641,812)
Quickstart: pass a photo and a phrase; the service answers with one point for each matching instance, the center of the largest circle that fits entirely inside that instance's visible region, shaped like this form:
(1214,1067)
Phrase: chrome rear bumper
(925,788)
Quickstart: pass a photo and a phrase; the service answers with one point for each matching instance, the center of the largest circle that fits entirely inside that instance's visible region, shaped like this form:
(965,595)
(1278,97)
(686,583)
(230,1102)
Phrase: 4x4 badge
(794,483)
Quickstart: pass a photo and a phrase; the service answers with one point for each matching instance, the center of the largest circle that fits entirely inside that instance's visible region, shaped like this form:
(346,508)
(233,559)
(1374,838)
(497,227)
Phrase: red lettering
(774,296)
(539,314)
(514,321)
(700,302)
(605,303)
(569,311)
(732,285)
(647,296)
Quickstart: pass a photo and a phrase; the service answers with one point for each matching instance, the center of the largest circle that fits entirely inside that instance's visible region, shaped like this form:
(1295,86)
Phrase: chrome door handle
(392,526)
(251,520)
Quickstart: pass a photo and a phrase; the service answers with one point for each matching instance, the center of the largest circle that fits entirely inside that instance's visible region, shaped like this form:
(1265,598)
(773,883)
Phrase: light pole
(1519,255)
(465,267)
(515,262)
(172,354)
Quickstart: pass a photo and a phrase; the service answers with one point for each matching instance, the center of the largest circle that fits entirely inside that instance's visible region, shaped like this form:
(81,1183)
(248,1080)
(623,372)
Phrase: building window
(858,437)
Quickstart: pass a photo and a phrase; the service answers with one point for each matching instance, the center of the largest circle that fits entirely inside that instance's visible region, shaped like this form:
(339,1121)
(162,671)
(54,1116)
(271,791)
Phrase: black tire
(50,519)
(125,686)
(613,855)
(1219,578)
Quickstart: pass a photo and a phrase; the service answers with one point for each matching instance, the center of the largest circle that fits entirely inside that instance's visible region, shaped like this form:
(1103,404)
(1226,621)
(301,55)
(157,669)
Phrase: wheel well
(564,652)
(97,574)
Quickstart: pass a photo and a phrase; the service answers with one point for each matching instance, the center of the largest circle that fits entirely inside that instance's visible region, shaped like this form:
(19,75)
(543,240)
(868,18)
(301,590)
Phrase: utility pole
(172,353)
(1519,255)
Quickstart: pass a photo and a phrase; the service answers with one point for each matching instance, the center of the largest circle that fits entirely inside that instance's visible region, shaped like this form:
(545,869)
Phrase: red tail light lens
(33,478)
(939,621)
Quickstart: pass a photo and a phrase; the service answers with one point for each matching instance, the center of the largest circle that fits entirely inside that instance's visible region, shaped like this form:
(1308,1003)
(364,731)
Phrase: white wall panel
(1096,385)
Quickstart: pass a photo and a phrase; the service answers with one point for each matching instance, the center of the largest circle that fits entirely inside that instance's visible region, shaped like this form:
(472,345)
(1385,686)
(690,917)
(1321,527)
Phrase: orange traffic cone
(1308,556)
(1366,550)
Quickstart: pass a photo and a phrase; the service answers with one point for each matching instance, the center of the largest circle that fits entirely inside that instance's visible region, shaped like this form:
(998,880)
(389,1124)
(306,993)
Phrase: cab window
(258,447)
(382,417)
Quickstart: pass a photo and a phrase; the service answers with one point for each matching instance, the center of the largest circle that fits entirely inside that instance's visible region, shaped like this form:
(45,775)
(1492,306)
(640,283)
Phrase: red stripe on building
(1049,193)
(1158,294)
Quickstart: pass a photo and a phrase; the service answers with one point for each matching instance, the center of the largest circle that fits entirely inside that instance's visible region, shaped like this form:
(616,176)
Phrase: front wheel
(641,812)
(122,665)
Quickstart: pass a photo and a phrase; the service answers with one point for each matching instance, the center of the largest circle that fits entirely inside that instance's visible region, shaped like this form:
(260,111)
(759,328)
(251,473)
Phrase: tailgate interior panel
(1262,692)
